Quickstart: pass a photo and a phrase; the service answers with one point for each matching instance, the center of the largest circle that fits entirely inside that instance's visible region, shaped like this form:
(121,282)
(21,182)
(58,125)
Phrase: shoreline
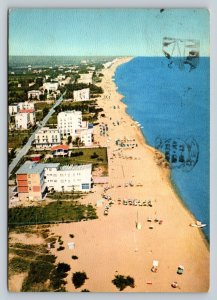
(170,179)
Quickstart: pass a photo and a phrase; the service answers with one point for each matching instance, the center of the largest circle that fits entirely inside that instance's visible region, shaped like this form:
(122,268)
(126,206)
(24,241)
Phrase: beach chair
(174,284)
(180,270)
(155,264)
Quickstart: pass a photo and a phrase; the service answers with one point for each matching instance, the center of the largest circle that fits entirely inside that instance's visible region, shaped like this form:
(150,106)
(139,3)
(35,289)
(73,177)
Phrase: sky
(77,32)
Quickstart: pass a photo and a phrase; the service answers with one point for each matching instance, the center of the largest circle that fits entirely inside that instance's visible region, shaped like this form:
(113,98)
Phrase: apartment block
(47,137)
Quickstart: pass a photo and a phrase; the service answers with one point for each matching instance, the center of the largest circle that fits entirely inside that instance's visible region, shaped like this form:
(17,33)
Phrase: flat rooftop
(30,167)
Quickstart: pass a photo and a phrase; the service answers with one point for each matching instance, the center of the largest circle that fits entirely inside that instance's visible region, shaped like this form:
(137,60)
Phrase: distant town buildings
(47,137)
(86,78)
(50,86)
(81,95)
(61,77)
(35,179)
(109,63)
(34,94)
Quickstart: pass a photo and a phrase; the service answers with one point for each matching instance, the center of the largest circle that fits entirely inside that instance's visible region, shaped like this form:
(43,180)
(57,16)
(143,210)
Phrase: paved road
(23,151)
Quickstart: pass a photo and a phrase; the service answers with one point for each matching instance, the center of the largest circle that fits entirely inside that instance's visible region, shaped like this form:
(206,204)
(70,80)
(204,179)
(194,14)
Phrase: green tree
(69,140)
(78,279)
(77,142)
(121,282)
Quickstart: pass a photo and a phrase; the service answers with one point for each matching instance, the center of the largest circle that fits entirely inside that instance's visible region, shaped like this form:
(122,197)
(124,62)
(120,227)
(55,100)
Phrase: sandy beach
(112,244)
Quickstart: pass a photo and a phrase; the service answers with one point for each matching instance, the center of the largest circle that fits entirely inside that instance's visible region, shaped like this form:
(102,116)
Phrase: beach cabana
(155,266)
(71,245)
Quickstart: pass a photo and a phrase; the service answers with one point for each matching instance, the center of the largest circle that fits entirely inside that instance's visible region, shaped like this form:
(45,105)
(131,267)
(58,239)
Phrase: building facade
(69,178)
(34,94)
(85,135)
(31,113)
(81,95)
(50,86)
(26,105)
(13,109)
(22,121)
(30,180)
(35,179)
(68,122)
(47,137)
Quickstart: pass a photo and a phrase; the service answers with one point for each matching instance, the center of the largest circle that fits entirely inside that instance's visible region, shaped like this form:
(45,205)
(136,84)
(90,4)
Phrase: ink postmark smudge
(181,52)
(178,154)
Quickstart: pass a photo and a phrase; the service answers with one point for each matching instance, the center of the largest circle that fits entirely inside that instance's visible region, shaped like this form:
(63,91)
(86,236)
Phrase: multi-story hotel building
(35,179)
(69,178)
(22,121)
(68,122)
(47,137)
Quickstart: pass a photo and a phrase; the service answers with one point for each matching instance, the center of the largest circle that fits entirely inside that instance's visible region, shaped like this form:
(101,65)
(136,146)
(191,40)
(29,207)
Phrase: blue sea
(171,102)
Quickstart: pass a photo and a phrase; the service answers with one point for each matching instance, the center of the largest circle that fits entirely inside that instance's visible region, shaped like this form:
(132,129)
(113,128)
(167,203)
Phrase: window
(85,186)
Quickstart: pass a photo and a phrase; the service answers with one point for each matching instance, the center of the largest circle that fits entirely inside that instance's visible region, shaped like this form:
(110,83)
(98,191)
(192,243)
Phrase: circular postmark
(180,154)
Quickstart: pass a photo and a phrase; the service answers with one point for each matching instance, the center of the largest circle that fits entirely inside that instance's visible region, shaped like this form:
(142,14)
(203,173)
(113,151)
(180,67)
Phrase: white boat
(198,224)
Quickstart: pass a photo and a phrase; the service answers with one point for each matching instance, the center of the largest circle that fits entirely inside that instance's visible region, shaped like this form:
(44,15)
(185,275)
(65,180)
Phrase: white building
(34,94)
(22,121)
(50,86)
(13,109)
(61,77)
(86,78)
(31,113)
(26,105)
(81,95)
(93,68)
(47,137)
(68,122)
(85,134)
(68,178)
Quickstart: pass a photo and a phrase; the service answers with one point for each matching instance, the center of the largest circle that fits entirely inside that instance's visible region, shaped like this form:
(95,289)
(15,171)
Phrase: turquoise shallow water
(172,105)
